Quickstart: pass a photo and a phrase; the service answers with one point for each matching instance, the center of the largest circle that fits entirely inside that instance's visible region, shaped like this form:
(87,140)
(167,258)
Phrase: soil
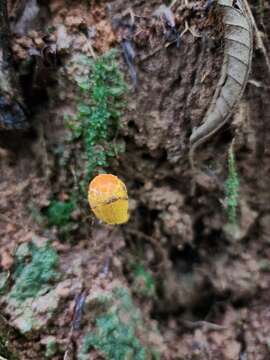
(212,279)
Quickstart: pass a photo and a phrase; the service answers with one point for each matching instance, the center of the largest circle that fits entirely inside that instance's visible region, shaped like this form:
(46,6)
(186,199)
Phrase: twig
(75,324)
(148,56)
(208,326)
(173,3)
(188,28)
(92,52)
(78,310)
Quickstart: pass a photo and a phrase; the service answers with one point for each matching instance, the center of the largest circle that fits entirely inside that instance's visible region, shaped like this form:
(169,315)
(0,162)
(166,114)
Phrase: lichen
(115,334)
(51,348)
(32,276)
(34,314)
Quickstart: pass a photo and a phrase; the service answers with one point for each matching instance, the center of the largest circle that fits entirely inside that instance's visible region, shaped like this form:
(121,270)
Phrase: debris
(166,15)
(78,310)
(129,56)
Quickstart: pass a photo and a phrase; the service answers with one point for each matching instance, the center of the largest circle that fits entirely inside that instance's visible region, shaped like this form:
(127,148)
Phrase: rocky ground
(178,281)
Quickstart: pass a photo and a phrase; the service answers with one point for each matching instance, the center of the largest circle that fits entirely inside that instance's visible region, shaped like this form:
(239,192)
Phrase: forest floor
(178,281)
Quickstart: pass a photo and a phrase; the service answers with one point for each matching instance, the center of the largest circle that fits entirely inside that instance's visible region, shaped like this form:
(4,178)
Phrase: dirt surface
(211,279)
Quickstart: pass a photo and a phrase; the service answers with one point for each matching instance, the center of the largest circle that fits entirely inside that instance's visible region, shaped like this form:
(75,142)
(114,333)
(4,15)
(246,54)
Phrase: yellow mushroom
(108,199)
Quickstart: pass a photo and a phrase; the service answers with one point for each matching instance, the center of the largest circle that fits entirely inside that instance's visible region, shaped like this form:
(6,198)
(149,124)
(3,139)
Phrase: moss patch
(59,212)
(144,285)
(232,186)
(35,270)
(116,331)
(99,111)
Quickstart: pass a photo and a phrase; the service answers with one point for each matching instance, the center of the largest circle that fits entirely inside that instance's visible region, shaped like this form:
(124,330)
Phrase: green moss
(143,282)
(34,274)
(115,339)
(59,212)
(264,265)
(116,332)
(232,186)
(51,348)
(99,111)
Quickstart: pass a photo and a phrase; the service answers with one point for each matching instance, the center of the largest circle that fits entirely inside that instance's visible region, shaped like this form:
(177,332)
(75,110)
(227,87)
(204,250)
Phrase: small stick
(78,310)
(75,324)
(173,3)
(106,266)
(148,56)
(202,324)
(92,52)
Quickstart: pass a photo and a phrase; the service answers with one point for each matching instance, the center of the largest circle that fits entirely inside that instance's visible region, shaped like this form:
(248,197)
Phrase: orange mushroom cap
(108,199)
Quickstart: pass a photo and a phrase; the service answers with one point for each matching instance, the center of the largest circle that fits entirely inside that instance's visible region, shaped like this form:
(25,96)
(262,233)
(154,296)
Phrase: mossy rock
(116,330)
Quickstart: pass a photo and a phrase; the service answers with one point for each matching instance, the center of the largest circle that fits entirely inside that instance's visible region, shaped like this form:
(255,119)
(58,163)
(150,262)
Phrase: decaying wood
(238,48)
(12,114)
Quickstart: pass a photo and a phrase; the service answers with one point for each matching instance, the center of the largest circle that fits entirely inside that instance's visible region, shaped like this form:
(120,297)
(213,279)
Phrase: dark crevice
(185,259)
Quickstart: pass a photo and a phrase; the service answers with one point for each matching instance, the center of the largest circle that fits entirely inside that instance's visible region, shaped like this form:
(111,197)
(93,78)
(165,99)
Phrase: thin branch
(206,325)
